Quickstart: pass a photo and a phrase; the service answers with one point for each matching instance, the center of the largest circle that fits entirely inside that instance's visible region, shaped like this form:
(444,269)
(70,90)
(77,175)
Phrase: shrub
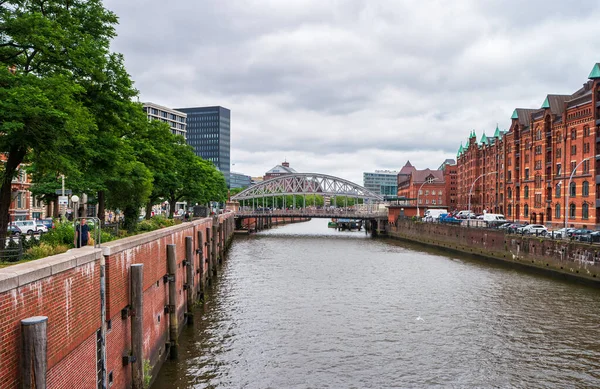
(63,234)
(45,250)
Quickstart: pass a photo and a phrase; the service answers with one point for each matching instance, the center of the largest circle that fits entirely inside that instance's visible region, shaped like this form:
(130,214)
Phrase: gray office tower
(208,132)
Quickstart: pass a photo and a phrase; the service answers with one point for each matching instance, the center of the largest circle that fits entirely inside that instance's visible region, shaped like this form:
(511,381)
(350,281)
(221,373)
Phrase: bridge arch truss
(308,184)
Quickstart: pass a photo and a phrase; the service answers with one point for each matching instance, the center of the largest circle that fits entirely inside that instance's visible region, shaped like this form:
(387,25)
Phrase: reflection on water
(304,306)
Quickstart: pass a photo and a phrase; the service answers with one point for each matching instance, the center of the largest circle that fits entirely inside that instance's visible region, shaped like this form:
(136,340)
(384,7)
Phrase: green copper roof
(460,150)
(595,73)
(484,140)
(546,103)
(515,114)
(497,133)
(474,136)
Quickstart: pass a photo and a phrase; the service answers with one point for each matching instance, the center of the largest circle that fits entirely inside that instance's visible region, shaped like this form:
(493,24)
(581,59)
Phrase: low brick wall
(571,259)
(66,288)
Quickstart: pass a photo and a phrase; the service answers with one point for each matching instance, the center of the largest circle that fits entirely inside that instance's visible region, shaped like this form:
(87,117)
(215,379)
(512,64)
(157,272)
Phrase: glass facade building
(239,180)
(383,182)
(208,132)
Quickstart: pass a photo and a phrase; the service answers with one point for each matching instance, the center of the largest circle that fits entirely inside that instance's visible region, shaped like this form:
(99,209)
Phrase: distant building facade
(450,171)
(426,188)
(209,133)
(279,170)
(544,168)
(175,119)
(239,180)
(383,182)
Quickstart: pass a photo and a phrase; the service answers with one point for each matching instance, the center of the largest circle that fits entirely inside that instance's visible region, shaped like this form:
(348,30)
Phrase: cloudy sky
(347,86)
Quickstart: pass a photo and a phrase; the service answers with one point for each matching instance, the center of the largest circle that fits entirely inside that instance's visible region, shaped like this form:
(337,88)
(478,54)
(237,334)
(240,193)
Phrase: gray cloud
(343,87)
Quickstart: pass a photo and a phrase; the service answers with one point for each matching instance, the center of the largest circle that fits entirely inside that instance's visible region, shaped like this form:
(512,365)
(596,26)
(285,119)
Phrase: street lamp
(75,200)
(471,190)
(568,189)
(428,181)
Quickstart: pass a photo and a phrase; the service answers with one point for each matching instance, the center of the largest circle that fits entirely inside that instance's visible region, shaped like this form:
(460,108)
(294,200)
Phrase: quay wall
(567,259)
(253,224)
(66,289)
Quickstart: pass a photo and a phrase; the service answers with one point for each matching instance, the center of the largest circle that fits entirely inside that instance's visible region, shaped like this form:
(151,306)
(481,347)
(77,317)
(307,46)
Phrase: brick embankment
(255,224)
(66,289)
(566,259)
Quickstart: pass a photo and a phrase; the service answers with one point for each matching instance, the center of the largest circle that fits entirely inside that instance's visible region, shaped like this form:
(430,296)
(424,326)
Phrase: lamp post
(568,189)
(471,190)
(428,181)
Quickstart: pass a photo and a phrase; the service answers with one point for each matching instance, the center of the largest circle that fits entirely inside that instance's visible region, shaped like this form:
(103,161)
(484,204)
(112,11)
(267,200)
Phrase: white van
(433,214)
(30,227)
(494,219)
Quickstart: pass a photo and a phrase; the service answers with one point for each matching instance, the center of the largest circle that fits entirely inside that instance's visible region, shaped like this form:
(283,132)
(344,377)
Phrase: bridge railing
(335,212)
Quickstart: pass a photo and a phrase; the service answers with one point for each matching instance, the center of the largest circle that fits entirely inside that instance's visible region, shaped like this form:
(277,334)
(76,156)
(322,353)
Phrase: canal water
(304,306)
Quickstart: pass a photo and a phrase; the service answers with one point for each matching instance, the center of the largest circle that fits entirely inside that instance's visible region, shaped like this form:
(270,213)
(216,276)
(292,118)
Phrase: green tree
(53,49)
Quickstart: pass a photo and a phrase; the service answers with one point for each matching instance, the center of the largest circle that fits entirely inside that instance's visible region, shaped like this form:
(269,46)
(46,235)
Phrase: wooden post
(189,271)
(173,324)
(34,342)
(221,243)
(208,256)
(214,238)
(201,281)
(137,322)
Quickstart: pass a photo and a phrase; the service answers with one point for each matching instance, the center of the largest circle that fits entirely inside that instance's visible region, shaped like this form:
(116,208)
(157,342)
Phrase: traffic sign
(67,192)
(63,200)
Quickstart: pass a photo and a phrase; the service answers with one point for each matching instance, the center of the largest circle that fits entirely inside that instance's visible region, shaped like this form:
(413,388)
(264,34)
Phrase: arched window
(585,211)
(572,189)
(557,191)
(526,192)
(572,211)
(557,211)
(526,210)
(585,189)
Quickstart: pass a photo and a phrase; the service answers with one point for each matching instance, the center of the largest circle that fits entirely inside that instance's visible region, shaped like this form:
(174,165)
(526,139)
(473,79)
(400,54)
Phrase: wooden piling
(214,252)
(173,322)
(34,342)
(201,281)
(209,255)
(137,323)
(189,271)
(221,242)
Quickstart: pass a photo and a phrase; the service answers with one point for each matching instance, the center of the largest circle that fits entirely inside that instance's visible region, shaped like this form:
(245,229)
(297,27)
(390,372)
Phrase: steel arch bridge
(307,184)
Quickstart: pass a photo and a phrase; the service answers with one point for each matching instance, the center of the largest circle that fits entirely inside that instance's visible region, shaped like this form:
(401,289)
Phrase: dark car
(49,223)
(13,230)
(579,232)
(512,229)
(588,237)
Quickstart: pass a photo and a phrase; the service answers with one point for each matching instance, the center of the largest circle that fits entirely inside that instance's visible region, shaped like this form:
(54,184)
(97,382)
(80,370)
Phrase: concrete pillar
(137,325)
(173,322)
(34,346)
(189,271)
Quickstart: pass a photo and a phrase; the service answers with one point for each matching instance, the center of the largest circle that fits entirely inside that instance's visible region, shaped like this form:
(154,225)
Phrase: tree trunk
(149,209)
(131,218)
(172,201)
(101,207)
(15,157)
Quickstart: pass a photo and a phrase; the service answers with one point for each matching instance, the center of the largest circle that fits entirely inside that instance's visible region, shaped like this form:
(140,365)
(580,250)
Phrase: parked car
(534,229)
(13,230)
(575,233)
(514,228)
(48,222)
(560,234)
(448,218)
(593,237)
(465,215)
(30,227)
(504,226)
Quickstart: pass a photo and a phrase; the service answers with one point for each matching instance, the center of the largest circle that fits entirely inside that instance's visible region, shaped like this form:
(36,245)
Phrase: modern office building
(208,132)
(175,119)
(383,182)
(239,180)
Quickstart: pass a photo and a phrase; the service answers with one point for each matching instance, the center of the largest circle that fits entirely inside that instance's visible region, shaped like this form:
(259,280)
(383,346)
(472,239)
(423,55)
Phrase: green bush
(64,233)
(43,250)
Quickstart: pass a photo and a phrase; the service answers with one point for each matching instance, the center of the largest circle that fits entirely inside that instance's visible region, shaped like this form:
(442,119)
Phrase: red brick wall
(66,288)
